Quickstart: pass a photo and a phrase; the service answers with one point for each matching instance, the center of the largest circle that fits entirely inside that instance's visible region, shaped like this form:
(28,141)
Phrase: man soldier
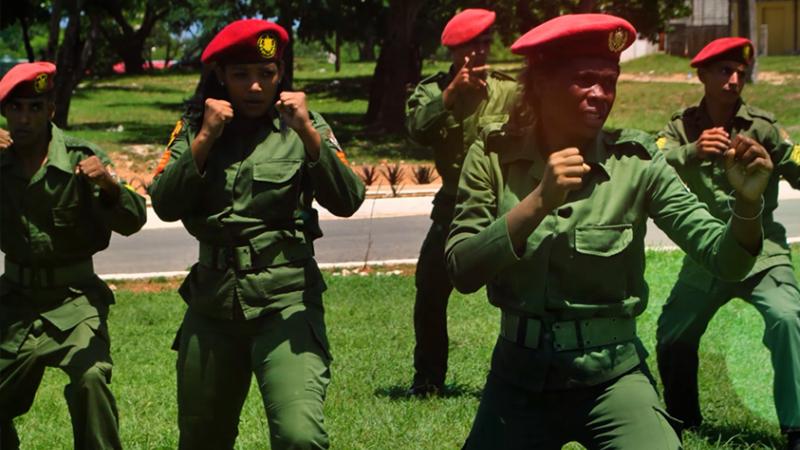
(445,113)
(693,142)
(59,205)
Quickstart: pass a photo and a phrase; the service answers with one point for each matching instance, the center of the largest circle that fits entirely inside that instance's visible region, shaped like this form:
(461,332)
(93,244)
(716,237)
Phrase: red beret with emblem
(599,35)
(466,26)
(728,48)
(247,41)
(28,80)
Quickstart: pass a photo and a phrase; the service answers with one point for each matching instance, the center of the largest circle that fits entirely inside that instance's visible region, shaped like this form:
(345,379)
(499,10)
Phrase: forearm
(523,219)
(312,141)
(201,146)
(746,224)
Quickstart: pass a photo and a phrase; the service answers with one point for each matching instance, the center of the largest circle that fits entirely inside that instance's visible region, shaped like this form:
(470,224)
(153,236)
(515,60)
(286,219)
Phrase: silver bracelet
(733,210)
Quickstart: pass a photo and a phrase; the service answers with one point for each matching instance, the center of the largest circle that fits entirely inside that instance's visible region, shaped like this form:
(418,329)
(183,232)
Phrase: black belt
(569,334)
(47,277)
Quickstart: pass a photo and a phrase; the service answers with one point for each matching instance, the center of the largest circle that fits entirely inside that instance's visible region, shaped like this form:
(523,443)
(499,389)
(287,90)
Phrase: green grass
(371,333)
(120,111)
(662,64)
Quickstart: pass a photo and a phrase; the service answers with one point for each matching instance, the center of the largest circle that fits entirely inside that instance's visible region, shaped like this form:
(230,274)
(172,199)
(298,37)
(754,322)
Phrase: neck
(720,114)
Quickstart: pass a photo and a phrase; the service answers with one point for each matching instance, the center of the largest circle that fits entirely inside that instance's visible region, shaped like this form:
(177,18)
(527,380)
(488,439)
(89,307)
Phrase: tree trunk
(286,20)
(54,28)
(26,38)
(338,51)
(366,49)
(396,68)
(68,63)
(755,38)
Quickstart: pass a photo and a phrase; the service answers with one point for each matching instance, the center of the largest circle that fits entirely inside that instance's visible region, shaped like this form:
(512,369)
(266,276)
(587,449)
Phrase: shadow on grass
(400,392)
(132,133)
(741,429)
(177,107)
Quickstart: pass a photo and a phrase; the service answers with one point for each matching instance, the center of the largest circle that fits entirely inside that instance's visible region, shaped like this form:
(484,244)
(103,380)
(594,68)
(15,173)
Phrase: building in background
(777,25)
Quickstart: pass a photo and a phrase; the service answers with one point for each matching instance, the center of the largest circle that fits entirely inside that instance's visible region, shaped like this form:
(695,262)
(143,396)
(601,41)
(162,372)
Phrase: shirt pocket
(66,216)
(601,261)
(276,187)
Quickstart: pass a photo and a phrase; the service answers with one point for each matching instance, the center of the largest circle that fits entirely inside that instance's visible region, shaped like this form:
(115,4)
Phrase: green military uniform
(770,286)
(53,308)
(430,124)
(255,296)
(568,364)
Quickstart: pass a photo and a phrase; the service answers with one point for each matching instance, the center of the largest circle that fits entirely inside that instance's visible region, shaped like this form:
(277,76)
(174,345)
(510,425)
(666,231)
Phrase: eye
(267,73)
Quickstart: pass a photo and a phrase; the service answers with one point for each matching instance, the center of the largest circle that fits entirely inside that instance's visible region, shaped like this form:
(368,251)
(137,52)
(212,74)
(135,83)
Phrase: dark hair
(209,86)
(527,107)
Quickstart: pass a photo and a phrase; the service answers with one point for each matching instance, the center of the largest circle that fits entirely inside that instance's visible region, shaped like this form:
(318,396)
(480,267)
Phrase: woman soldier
(241,170)
(559,207)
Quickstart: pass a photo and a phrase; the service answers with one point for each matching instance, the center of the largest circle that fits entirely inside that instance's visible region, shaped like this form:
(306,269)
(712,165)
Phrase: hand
(712,142)
(564,173)
(293,110)
(93,170)
(5,139)
(748,167)
(217,113)
(467,89)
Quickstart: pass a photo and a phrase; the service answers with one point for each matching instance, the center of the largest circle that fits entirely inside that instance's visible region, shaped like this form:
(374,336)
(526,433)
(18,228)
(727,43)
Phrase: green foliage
(370,329)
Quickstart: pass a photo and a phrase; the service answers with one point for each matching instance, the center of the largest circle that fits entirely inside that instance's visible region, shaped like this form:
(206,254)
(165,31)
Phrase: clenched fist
(748,167)
(96,173)
(217,114)
(712,142)
(563,173)
(5,139)
(293,110)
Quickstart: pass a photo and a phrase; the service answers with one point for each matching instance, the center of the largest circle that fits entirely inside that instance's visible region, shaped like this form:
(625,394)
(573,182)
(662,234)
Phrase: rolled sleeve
(176,190)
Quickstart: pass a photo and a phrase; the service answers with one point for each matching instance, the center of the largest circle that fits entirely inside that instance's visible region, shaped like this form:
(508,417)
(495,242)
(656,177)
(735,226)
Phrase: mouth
(594,117)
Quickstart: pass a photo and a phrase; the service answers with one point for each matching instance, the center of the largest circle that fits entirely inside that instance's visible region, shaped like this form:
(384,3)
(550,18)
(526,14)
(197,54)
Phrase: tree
(26,13)
(127,41)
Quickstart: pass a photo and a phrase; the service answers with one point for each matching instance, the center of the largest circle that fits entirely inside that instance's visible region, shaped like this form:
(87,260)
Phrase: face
(480,46)
(28,119)
(251,87)
(576,99)
(723,80)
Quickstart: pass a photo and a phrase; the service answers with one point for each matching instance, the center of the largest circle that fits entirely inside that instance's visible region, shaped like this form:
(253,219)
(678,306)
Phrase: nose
(734,78)
(255,86)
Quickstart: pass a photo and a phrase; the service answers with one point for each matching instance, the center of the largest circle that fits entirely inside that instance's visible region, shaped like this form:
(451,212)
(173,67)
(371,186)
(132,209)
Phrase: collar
(57,151)
(742,113)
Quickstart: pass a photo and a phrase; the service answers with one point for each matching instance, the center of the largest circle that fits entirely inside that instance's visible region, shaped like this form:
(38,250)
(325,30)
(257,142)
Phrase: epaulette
(497,136)
(75,143)
(761,114)
(435,78)
(631,139)
(685,112)
(501,76)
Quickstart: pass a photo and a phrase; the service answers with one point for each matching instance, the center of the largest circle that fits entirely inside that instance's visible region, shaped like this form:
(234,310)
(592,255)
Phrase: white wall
(640,47)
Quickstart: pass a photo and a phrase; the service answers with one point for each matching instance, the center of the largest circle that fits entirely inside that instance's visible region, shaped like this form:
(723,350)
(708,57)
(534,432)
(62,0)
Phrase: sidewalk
(410,202)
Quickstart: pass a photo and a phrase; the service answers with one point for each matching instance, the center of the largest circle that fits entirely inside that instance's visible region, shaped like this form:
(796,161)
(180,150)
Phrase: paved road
(395,238)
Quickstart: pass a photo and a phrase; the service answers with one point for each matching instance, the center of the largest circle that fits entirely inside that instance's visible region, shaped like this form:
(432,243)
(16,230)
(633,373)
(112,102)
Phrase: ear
(701,74)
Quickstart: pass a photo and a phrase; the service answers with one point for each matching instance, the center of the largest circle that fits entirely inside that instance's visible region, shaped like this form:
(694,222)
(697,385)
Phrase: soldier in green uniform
(58,206)
(551,215)
(241,171)
(693,142)
(445,113)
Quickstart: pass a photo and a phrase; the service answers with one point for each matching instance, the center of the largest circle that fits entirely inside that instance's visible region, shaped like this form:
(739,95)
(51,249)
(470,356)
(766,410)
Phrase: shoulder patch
(661,142)
(795,156)
(165,157)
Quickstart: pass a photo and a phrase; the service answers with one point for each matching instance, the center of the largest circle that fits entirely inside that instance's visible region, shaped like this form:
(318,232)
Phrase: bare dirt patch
(153,285)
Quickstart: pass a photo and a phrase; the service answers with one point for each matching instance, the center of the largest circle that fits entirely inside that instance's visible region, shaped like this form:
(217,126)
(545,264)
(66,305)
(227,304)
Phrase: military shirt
(256,193)
(431,125)
(586,259)
(706,177)
(55,219)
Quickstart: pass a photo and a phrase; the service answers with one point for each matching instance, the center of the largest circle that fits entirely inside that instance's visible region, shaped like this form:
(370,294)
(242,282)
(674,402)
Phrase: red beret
(728,48)
(28,80)
(466,26)
(245,41)
(601,35)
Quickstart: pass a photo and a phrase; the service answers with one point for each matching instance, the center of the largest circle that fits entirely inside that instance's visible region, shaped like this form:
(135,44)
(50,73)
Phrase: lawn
(132,116)
(369,323)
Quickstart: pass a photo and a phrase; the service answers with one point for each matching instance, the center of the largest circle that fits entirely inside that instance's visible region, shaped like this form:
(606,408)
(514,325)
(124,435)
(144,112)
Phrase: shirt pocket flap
(276,171)
(65,216)
(606,240)
(70,314)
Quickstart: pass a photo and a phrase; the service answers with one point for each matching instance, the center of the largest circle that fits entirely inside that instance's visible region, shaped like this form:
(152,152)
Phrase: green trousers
(685,317)
(430,309)
(620,414)
(288,353)
(83,353)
